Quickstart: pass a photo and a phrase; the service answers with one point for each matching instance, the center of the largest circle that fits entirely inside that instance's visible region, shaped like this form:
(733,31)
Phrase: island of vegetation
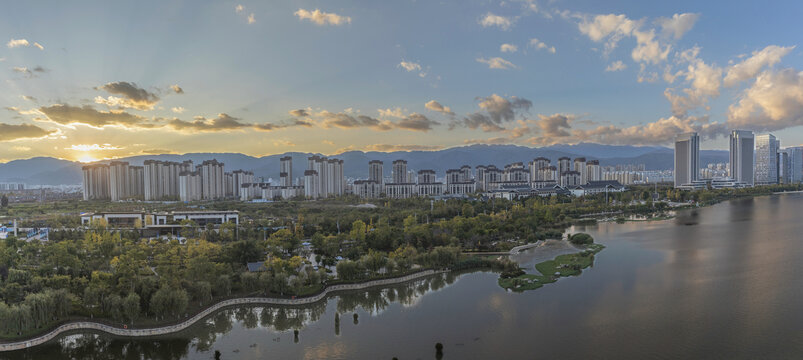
(117,277)
(551,270)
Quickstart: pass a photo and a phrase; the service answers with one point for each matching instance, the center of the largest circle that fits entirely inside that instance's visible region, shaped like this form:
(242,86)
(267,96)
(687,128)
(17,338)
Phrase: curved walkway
(515,250)
(89,325)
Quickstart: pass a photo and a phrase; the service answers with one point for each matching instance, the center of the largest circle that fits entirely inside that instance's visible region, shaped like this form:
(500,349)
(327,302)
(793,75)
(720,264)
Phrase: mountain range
(52,171)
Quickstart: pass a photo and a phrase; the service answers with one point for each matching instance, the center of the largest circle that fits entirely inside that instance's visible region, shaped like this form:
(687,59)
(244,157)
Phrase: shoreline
(169,329)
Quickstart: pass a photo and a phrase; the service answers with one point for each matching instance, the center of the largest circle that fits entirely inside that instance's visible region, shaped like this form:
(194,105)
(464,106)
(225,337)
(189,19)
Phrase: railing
(117,331)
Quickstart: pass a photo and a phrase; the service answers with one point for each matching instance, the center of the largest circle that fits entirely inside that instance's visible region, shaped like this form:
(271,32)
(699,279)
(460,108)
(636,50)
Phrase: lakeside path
(157,331)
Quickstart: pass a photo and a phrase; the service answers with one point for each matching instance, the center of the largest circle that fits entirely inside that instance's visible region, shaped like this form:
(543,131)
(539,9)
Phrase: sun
(87,158)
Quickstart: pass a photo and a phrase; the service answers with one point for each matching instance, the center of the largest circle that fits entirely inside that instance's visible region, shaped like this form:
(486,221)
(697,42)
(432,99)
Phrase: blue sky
(98,79)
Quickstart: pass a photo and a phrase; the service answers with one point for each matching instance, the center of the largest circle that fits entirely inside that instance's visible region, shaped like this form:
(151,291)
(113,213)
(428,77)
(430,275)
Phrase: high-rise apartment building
(580,166)
(286,171)
(327,177)
(687,158)
(593,170)
(376,171)
(784,167)
(564,165)
(766,160)
(741,156)
(399,171)
(96,182)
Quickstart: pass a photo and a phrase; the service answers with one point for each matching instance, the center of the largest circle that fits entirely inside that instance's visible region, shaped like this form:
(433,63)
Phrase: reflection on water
(201,337)
(717,282)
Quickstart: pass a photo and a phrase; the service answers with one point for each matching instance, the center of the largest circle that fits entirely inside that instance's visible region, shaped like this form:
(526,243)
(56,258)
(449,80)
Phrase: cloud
(538,45)
(156,151)
(649,50)
(489,141)
(12,108)
(436,106)
(321,18)
(704,79)
(348,121)
(282,125)
(28,98)
(392,113)
(508,48)
(131,96)
(661,131)
(177,109)
(240,9)
(497,63)
(773,102)
(11,132)
(17,43)
(608,27)
(39,46)
(391,148)
(223,122)
(556,125)
(750,67)
(678,24)
(410,66)
(617,65)
(494,111)
(28,73)
(93,147)
(284,143)
(299,113)
(177,89)
(87,115)
(501,22)
(416,122)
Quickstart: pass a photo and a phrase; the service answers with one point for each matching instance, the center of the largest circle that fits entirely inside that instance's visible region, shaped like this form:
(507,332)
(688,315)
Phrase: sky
(97,80)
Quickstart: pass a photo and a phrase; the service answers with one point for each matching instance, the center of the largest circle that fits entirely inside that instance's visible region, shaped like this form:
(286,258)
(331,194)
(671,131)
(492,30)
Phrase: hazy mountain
(51,171)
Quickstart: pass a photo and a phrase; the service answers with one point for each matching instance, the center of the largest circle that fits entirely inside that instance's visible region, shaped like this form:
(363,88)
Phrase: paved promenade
(119,331)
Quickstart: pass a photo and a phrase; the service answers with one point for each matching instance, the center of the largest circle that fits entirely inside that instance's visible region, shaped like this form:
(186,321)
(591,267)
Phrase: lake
(717,282)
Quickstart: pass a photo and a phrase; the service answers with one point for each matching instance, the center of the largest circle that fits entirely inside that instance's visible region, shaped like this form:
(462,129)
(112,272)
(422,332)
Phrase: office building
(795,164)
(741,156)
(687,158)
(766,172)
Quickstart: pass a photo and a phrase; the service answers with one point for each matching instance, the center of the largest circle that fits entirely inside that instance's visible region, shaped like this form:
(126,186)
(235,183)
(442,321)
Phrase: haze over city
(260,78)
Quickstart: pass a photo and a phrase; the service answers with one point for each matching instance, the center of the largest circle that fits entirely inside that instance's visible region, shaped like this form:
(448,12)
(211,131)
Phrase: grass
(552,270)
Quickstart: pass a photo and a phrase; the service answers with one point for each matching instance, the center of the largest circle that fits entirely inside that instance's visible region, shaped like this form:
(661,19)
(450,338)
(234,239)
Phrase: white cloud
(678,24)
(39,46)
(538,44)
(394,113)
(251,18)
(17,43)
(321,18)
(750,67)
(410,66)
(177,109)
(617,65)
(497,63)
(93,147)
(436,106)
(611,27)
(501,22)
(508,48)
(773,102)
(648,49)
(239,8)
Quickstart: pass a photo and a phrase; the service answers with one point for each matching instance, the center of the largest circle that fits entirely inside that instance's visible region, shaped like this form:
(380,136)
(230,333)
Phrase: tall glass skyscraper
(766,159)
(741,156)
(687,158)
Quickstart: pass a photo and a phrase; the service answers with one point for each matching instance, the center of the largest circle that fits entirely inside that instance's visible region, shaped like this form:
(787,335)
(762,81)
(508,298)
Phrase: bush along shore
(551,270)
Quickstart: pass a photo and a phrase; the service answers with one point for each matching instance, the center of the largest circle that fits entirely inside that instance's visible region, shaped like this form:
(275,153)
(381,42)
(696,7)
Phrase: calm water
(719,282)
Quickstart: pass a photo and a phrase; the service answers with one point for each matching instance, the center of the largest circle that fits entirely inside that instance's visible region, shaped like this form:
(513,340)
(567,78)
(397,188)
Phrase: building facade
(741,156)
(687,158)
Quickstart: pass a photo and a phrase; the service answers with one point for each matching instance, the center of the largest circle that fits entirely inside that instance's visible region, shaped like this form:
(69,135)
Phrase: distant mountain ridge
(52,171)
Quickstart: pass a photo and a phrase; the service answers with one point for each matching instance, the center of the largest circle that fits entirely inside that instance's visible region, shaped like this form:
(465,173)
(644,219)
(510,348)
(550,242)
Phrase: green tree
(131,307)
(4,201)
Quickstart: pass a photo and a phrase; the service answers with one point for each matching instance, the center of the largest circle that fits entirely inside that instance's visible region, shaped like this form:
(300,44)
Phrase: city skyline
(540,73)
